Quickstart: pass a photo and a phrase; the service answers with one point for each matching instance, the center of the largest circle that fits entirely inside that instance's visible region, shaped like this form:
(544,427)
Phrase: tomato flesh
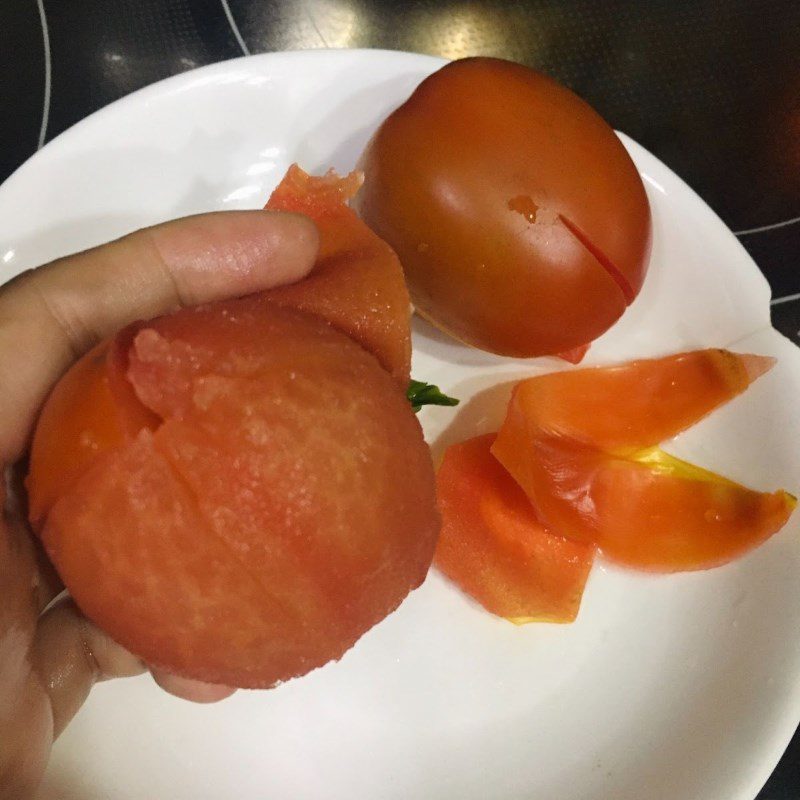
(92,409)
(493,546)
(283,504)
(238,491)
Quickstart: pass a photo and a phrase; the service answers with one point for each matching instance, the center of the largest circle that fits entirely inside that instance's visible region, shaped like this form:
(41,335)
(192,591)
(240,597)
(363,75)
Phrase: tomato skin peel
(357,282)
(521,222)
(496,550)
(582,446)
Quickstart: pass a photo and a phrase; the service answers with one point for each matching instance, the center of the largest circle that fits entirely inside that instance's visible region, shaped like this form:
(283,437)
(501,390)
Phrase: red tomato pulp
(238,491)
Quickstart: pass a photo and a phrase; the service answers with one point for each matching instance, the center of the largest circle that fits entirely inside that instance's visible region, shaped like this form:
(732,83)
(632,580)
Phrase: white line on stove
(786,299)
(47,73)
(768,227)
(234,27)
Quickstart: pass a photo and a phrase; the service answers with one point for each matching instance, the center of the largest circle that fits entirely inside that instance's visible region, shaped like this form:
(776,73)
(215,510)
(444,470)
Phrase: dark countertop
(712,87)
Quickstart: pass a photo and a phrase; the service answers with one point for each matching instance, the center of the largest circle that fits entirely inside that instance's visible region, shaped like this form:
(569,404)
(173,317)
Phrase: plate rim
(163,85)
(791,715)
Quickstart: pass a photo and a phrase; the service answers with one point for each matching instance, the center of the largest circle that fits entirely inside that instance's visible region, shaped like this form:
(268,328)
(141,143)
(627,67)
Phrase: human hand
(48,318)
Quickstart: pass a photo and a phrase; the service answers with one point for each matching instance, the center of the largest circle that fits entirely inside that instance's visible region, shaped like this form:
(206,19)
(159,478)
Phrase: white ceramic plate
(665,688)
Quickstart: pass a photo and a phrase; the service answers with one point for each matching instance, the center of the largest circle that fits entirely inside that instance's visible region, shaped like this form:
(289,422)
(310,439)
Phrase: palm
(26,714)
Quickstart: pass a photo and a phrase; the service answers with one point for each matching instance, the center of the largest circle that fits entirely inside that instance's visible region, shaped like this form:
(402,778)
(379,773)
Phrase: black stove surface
(712,87)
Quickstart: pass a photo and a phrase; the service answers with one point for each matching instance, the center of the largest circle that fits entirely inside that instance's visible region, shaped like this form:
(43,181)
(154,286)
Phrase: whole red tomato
(520,219)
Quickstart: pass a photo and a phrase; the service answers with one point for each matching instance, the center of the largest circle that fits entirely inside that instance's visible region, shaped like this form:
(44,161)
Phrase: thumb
(51,315)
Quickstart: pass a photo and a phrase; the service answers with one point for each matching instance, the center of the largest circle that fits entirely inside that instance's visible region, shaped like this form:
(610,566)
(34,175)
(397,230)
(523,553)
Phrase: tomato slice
(581,446)
(493,546)
(357,282)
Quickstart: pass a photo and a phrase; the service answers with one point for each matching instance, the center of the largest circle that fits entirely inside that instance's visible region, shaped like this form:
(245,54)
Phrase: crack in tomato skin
(532,213)
(602,259)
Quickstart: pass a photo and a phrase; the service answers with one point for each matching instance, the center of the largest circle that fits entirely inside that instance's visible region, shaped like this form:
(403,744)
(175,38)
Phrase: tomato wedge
(581,445)
(493,546)
(357,282)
